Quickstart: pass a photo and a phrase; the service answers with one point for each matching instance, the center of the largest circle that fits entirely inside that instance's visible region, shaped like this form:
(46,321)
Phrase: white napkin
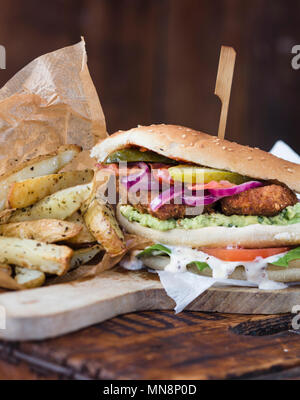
(185,287)
(282,150)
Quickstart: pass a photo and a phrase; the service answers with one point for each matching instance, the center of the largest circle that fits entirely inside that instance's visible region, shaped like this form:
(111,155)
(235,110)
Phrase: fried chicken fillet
(265,201)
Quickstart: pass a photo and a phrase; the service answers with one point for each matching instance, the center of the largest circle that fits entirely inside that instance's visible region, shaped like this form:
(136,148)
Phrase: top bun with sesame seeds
(188,145)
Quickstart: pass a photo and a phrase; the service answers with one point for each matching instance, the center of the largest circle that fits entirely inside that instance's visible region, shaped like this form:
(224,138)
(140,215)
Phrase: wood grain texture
(156,61)
(162,345)
(224,83)
(59,309)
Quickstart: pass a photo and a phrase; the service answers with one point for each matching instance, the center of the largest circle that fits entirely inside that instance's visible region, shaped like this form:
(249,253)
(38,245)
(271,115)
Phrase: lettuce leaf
(200,265)
(290,256)
(159,249)
(155,250)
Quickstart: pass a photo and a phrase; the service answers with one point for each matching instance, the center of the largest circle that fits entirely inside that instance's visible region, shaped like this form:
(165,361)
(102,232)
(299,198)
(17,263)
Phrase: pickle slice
(135,155)
(192,174)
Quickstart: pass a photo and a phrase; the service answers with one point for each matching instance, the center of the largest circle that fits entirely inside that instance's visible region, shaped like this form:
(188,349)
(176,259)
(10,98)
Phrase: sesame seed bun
(188,145)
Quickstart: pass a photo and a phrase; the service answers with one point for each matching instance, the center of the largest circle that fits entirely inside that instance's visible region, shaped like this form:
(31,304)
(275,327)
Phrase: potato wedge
(32,254)
(42,165)
(29,278)
(101,222)
(6,268)
(24,193)
(8,282)
(6,214)
(59,205)
(82,256)
(43,230)
(84,236)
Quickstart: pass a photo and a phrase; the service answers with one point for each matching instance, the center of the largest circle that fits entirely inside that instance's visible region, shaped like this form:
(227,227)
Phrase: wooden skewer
(223,84)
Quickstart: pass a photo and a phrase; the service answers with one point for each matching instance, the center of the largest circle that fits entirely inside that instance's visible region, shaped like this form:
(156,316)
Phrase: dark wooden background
(156,60)
(162,345)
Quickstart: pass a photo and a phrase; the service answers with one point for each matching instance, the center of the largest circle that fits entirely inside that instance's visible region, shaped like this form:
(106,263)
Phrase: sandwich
(209,206)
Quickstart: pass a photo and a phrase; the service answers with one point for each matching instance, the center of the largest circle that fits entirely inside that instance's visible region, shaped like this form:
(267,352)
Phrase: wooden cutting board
(58,309)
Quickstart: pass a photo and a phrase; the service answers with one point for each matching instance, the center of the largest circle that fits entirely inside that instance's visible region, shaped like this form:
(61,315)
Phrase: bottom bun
(278,274)
(251,236)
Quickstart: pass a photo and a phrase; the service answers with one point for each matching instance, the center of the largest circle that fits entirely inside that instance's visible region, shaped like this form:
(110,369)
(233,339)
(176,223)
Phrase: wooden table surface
(162,345)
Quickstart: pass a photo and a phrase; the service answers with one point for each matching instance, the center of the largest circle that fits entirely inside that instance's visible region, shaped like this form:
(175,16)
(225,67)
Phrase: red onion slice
(165,197)
(145,183)
(132,179)
(219,193)
(195,201)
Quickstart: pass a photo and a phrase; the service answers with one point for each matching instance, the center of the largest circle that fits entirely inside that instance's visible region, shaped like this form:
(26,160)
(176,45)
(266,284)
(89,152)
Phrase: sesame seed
(223,147)
(184,135)
(139,126)
(230,149)
(188,130)
(290,170)
(249,158)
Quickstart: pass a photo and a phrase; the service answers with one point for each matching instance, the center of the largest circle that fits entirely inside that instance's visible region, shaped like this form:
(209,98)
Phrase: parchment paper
(50,102)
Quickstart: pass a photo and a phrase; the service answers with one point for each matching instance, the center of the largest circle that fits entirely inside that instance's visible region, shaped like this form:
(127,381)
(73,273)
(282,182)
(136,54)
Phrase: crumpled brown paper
(133,242)
(50,102)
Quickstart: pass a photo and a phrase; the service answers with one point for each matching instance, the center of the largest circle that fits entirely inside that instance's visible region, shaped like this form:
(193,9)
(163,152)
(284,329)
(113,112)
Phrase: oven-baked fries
(84,255)
(39,166)
(6,214)
(6,280)
(59,205)
(100,220)
(43,230)
(27,192)
(84,236)
(51,222)
(50,258)
(29,278)
(5,268)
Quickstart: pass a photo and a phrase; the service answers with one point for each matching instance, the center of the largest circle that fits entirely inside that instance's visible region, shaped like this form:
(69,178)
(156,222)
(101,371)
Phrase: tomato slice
(243,254)
(211,185)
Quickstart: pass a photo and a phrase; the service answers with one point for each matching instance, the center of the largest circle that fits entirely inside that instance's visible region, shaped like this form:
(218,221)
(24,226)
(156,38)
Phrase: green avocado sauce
(290,215)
